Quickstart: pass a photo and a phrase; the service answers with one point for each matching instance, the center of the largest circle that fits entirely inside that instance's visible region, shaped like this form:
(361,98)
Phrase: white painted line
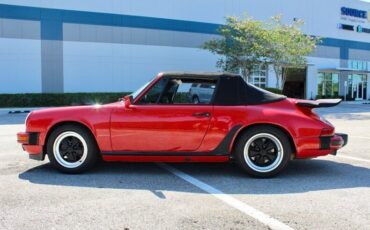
(243,207)
(362,137)
(353,158)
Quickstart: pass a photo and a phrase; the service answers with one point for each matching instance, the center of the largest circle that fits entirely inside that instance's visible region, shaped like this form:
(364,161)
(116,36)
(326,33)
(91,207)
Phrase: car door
(162,120)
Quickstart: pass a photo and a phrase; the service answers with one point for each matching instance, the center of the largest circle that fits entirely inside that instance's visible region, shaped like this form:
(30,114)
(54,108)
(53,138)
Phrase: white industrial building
(118,45)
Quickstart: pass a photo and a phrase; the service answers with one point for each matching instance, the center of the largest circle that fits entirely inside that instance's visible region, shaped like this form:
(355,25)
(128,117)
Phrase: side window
(152,96)
(207,86)
(191,91)
(182,95)
(180,91)
(170,91)
(203,92)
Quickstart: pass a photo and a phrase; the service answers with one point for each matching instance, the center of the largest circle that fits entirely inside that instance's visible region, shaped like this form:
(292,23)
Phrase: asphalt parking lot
(330,192)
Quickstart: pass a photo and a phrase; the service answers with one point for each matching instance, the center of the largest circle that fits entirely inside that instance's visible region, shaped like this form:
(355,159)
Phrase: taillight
(327,132)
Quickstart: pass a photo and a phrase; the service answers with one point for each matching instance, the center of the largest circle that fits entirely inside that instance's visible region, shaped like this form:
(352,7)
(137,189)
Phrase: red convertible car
(163,121)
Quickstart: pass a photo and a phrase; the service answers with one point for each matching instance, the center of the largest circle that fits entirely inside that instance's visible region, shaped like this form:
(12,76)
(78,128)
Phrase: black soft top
(231,89)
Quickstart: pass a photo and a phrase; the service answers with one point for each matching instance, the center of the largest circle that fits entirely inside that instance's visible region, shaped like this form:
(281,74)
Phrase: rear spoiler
(318,103)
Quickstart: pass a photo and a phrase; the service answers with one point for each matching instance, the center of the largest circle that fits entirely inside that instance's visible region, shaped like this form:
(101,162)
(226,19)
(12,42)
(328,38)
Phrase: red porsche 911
(185,117)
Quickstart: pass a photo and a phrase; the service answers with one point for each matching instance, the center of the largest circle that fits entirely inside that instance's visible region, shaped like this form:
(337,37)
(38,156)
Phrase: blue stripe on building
(53,19)
(81,17)
(51,30)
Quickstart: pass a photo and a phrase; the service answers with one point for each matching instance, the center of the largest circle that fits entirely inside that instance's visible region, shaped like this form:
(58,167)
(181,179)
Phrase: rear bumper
(338,141)
(320,146)
(333,142)
(341,138)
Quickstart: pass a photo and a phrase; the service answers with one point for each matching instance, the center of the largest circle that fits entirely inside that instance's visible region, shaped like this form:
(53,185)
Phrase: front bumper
(28,138)
(30,144)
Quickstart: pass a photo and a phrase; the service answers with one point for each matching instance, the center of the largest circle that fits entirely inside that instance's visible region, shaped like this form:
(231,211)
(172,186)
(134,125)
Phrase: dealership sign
(345,11)
(354,16)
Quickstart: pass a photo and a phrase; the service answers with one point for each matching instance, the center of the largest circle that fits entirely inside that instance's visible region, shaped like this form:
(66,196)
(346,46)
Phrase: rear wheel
(263,151)
(72,149)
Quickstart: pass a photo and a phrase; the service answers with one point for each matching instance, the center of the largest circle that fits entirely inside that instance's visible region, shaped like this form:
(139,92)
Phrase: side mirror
(129,100)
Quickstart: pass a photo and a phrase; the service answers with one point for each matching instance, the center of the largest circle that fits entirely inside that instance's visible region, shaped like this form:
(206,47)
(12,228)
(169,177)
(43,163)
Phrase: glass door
(358,86)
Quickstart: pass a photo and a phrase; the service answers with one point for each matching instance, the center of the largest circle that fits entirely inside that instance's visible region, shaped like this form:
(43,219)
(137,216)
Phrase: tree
(242,45)
(288,46)
(246,43)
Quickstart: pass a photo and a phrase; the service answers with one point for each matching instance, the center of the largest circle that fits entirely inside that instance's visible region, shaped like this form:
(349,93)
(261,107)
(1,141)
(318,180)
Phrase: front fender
(96,119)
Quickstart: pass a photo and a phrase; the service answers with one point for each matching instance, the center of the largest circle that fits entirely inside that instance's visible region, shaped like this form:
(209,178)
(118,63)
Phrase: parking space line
(243,207)
(354,158)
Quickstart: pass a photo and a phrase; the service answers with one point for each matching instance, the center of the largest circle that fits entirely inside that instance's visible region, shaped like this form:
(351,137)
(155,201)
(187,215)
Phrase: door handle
(201,114)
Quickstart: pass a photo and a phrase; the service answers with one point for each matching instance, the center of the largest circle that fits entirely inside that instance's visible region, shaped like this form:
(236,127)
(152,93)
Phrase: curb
(18,110)
(356,102)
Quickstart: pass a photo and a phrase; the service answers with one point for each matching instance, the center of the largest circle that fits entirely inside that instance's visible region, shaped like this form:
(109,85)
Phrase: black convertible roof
(210,75)
(231,89)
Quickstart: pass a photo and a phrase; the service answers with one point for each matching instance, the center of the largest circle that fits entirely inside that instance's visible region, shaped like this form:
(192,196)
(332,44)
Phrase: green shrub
(57,99)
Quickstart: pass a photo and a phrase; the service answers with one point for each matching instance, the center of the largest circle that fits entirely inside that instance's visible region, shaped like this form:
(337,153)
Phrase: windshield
(137,92)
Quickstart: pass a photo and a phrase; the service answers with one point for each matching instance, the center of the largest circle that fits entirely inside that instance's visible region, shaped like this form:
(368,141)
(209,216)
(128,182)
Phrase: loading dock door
(295,82)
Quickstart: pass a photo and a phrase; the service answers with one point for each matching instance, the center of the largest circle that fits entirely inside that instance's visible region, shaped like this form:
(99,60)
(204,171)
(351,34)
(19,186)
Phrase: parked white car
(201,93)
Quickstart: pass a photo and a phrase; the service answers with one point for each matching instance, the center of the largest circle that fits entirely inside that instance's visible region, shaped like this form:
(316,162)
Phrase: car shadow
(299,177)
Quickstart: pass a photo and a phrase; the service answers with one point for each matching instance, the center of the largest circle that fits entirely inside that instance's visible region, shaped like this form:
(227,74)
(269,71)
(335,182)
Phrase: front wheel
(263,151)
(72,149)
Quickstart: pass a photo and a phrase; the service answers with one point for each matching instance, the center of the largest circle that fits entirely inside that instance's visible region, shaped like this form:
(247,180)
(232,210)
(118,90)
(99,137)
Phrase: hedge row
(57,99)
(274,90)
(63,99)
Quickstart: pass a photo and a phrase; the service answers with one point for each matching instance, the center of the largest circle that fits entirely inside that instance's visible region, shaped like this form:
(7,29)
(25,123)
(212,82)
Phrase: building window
(358,65)
(328,85)
(258,76)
